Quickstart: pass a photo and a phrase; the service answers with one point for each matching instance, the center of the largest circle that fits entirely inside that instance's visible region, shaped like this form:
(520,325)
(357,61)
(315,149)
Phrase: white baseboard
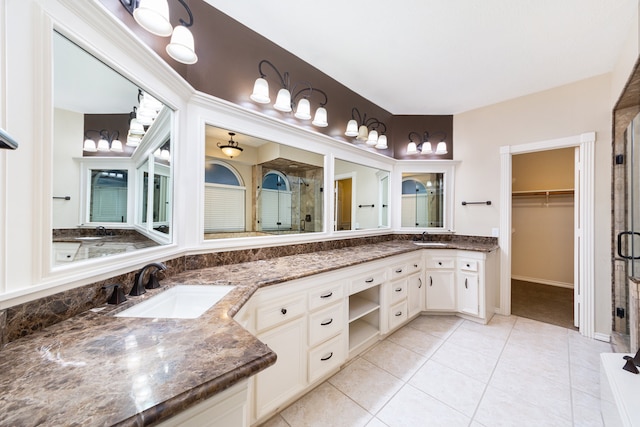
(602,337)
(543,281)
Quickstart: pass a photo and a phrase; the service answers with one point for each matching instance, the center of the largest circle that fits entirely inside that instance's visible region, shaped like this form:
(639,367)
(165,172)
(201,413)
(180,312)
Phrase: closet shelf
(546,193)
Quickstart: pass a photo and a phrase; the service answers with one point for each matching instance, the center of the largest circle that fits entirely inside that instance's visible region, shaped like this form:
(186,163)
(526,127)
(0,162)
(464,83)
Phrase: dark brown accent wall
(403,124)
(228,56)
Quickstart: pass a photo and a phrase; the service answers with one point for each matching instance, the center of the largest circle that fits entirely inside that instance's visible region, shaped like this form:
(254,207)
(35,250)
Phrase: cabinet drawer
(326,357)
(399,270)
(398,290)
(325,296)
(363,282)
(397,315)
(468,264)
(325,324)
(414,266)
(278,312)
(440,262)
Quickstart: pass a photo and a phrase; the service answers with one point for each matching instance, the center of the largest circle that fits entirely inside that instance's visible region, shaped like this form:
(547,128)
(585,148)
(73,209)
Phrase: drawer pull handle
(420,281)
(327,295)
(326,322)
(415,265)
(399,271)
(468,265)
(327,357)
(430,281)
(398,314)
(398,289)
(369,280)
(283,310)
(439,262)
(465,283)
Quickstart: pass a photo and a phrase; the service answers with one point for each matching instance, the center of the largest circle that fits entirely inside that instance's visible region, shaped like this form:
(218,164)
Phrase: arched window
(224,198)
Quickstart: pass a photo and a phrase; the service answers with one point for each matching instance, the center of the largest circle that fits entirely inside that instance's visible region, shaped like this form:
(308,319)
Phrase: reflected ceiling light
(231,149)
(360,130)
(153,16)
(423,145)
(285,101)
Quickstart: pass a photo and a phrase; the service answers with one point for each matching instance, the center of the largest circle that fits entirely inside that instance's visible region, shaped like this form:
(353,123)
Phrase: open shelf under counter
(361,332)
(360,306)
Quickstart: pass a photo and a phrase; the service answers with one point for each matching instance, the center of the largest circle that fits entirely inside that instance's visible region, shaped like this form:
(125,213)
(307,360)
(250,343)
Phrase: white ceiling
(444,56)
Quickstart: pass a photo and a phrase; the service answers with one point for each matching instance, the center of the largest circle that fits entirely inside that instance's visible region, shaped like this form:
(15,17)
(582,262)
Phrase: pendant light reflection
(423,146)
(231,148)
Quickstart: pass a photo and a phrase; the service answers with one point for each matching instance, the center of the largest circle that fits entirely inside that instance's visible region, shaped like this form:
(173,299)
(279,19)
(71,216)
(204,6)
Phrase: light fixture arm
(284,78)
(182,21)
(310,89)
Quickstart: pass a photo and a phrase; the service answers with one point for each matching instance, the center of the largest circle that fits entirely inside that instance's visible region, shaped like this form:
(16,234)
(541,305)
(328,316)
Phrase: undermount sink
(89,238)
(179,302)
(436,244)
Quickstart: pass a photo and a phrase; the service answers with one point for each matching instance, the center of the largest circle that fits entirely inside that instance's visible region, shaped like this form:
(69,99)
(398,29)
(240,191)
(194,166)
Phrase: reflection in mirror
(104,127)
(265,189)
(361,197)
(422,200)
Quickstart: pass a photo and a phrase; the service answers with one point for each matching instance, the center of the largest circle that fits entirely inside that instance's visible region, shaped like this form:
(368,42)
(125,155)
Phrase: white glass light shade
(157,153)
(382,142)
(411,148)
(283,101)
(116,146)
(352,128)
(136,128)
(231,151)
(146,117)
(153,16)
(426,148)
(320,119)
(260,91)
(165,154)
(133,140)
(103,145)
(363,133)
(372,139)
(89,145)
(303,112)
(151,102)
(181,47)
(441,148)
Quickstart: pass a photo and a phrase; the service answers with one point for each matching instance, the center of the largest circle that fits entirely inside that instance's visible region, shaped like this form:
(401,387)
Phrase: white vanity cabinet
(440,280)
(403,290)
(416,296)
(364,313)
(477,281)
(281,323)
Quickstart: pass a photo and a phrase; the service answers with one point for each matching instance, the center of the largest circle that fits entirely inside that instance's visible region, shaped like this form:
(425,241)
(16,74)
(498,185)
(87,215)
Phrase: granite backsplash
(24,319)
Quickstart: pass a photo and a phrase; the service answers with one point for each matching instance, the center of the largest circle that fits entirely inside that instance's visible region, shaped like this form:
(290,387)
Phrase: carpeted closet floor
(549,304)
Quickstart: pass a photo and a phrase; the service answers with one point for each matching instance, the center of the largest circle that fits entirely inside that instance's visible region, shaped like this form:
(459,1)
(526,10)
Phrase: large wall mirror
(112,181)
(254,187)
(361,197)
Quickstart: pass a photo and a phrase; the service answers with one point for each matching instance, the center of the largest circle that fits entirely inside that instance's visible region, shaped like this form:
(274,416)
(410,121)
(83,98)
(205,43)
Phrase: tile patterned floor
(446,371)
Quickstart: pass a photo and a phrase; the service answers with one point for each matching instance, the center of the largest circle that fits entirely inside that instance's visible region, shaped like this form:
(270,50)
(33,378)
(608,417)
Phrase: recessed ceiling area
(435,57)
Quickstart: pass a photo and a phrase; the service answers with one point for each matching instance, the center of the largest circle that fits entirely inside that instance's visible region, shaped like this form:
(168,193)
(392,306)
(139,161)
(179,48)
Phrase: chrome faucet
(425,236)
(138,287)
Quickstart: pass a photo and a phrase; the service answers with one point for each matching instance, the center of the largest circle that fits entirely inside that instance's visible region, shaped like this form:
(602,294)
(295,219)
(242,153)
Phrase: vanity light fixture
(231,149)
(285,101)
(423,145)
(153,16)
(107,142)
(360,129)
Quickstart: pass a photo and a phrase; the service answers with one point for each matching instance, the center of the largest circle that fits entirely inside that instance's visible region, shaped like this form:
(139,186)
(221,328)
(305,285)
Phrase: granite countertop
(97,369)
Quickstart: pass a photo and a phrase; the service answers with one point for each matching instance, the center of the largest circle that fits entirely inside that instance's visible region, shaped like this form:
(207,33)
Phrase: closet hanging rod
(565,192)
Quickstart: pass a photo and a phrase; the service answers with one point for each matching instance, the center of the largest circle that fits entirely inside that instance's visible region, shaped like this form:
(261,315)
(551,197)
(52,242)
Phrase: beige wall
(568,110)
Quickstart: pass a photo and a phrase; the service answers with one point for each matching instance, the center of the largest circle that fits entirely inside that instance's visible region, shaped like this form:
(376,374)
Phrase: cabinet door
(468,287)
(288,375)
(441,293)
(416,295)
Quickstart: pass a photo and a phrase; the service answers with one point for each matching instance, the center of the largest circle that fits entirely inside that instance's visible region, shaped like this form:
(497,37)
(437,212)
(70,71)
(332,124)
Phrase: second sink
(179,302)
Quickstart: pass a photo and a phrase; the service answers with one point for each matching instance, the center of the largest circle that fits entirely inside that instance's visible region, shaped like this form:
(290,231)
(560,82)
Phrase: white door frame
(584,233)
